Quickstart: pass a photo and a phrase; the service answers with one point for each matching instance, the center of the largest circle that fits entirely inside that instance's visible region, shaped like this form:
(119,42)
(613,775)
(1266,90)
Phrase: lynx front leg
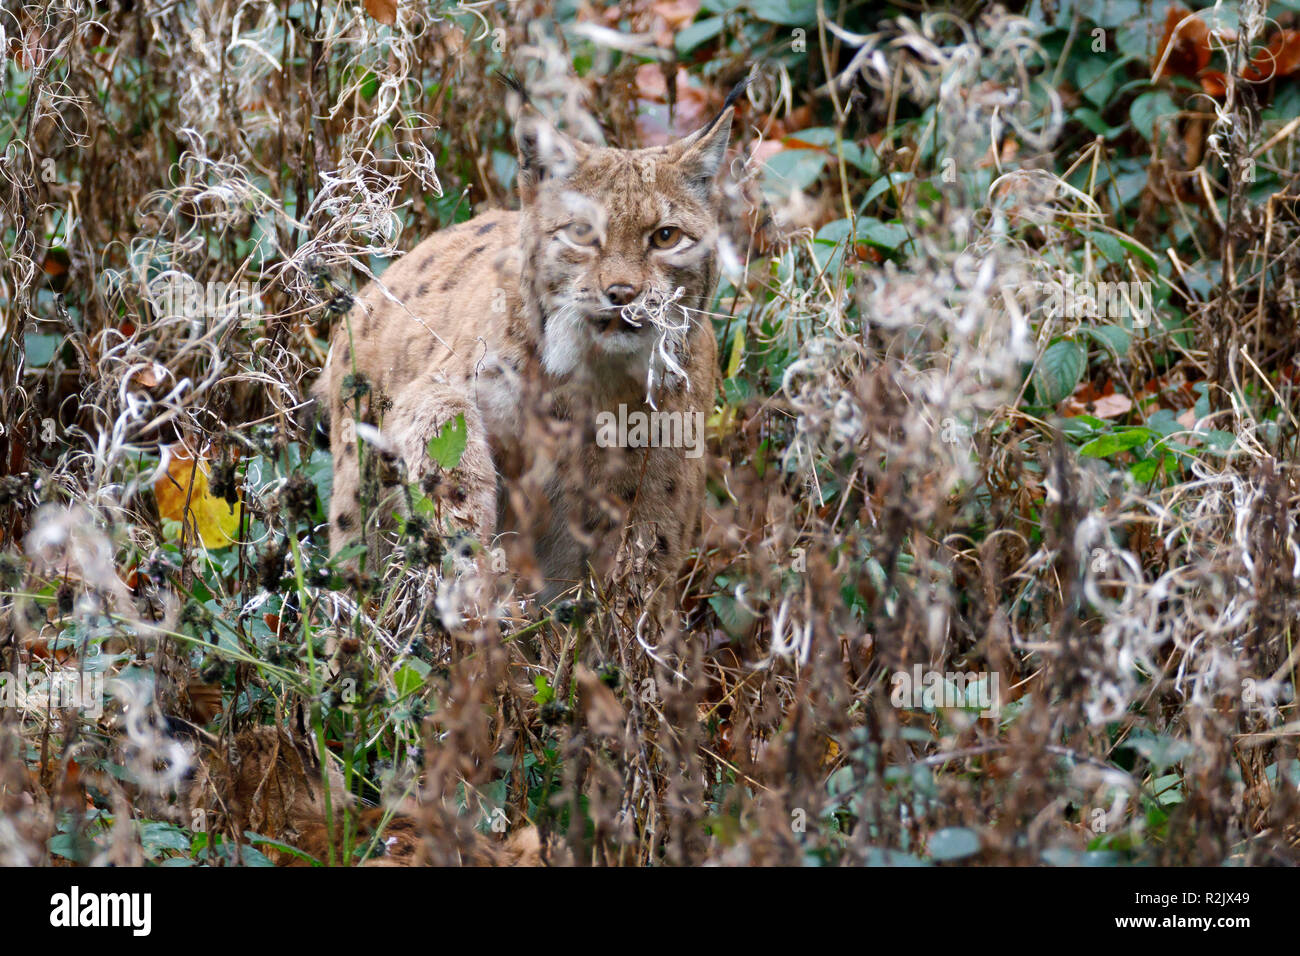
(468,492)
(345,500)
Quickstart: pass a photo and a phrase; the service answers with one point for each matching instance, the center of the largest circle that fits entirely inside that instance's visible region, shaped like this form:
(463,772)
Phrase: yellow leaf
(216,522)
(737,352)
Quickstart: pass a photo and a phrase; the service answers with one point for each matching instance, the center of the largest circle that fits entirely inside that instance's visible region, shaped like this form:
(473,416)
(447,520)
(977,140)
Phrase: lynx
(542,327)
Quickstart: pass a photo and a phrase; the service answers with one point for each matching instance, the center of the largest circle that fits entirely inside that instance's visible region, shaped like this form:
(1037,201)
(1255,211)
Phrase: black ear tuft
(544,153)
(737,91)
(514,84)
(703,151)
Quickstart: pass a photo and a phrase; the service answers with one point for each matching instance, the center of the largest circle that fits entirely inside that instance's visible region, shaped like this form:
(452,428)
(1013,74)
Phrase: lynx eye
(581,234)
(666,237)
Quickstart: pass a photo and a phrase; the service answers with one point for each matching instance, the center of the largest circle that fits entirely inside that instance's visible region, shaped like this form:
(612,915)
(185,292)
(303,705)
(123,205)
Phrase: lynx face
(623,243)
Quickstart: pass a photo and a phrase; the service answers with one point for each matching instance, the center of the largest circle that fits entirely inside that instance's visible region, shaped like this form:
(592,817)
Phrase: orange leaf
(671,16)
(1214,82)
(385,11)
(1099,402)
(1112,406)
(1187,40)
(1280,58)
(867,253)
(150,376)
(56,263)
(678,14)
(216,522)
(39,647)
(794,142)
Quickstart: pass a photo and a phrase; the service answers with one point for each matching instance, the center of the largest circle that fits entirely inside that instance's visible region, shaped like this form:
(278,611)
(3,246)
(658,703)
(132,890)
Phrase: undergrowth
(999,559)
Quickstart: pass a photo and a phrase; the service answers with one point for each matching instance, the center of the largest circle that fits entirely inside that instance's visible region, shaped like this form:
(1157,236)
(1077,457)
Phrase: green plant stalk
(318,724)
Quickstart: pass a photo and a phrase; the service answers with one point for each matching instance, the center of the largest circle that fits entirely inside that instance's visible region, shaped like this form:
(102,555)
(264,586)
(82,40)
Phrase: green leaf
(447,447)
(545,693)
(1164,421)
(1079,428)
(835,231)
(1134,39)
(1144,470)
(891,235)
(883,856)
(863,158)
(254,857)
(422,504)
(1114,337)
(350,553)
(1110,13)
(41,348)
(1092,119)
(1286,101)
(1147,109)
(1096,79)
(407,680)
(1064,856)
(69,846)
(259,840)
(1139,250)
(1218,440)
(1168,789)
(1059,372)
(1161,751)
(790,13)
(830,242)
(953,843)
(853,154)
(735,619)
(792,169)
(156,837)
(1110,247)
(884,184)
(692,36)
(1202,406)
(1106,445)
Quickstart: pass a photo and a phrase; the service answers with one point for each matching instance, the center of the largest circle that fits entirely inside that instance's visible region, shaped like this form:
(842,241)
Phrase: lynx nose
(621,294)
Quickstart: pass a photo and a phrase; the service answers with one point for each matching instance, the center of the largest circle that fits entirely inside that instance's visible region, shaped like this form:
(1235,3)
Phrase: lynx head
(611,236)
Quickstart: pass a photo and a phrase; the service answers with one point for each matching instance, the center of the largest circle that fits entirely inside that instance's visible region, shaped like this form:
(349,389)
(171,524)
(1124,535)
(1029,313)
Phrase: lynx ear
(544,153)
(699,156)
(702,153)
